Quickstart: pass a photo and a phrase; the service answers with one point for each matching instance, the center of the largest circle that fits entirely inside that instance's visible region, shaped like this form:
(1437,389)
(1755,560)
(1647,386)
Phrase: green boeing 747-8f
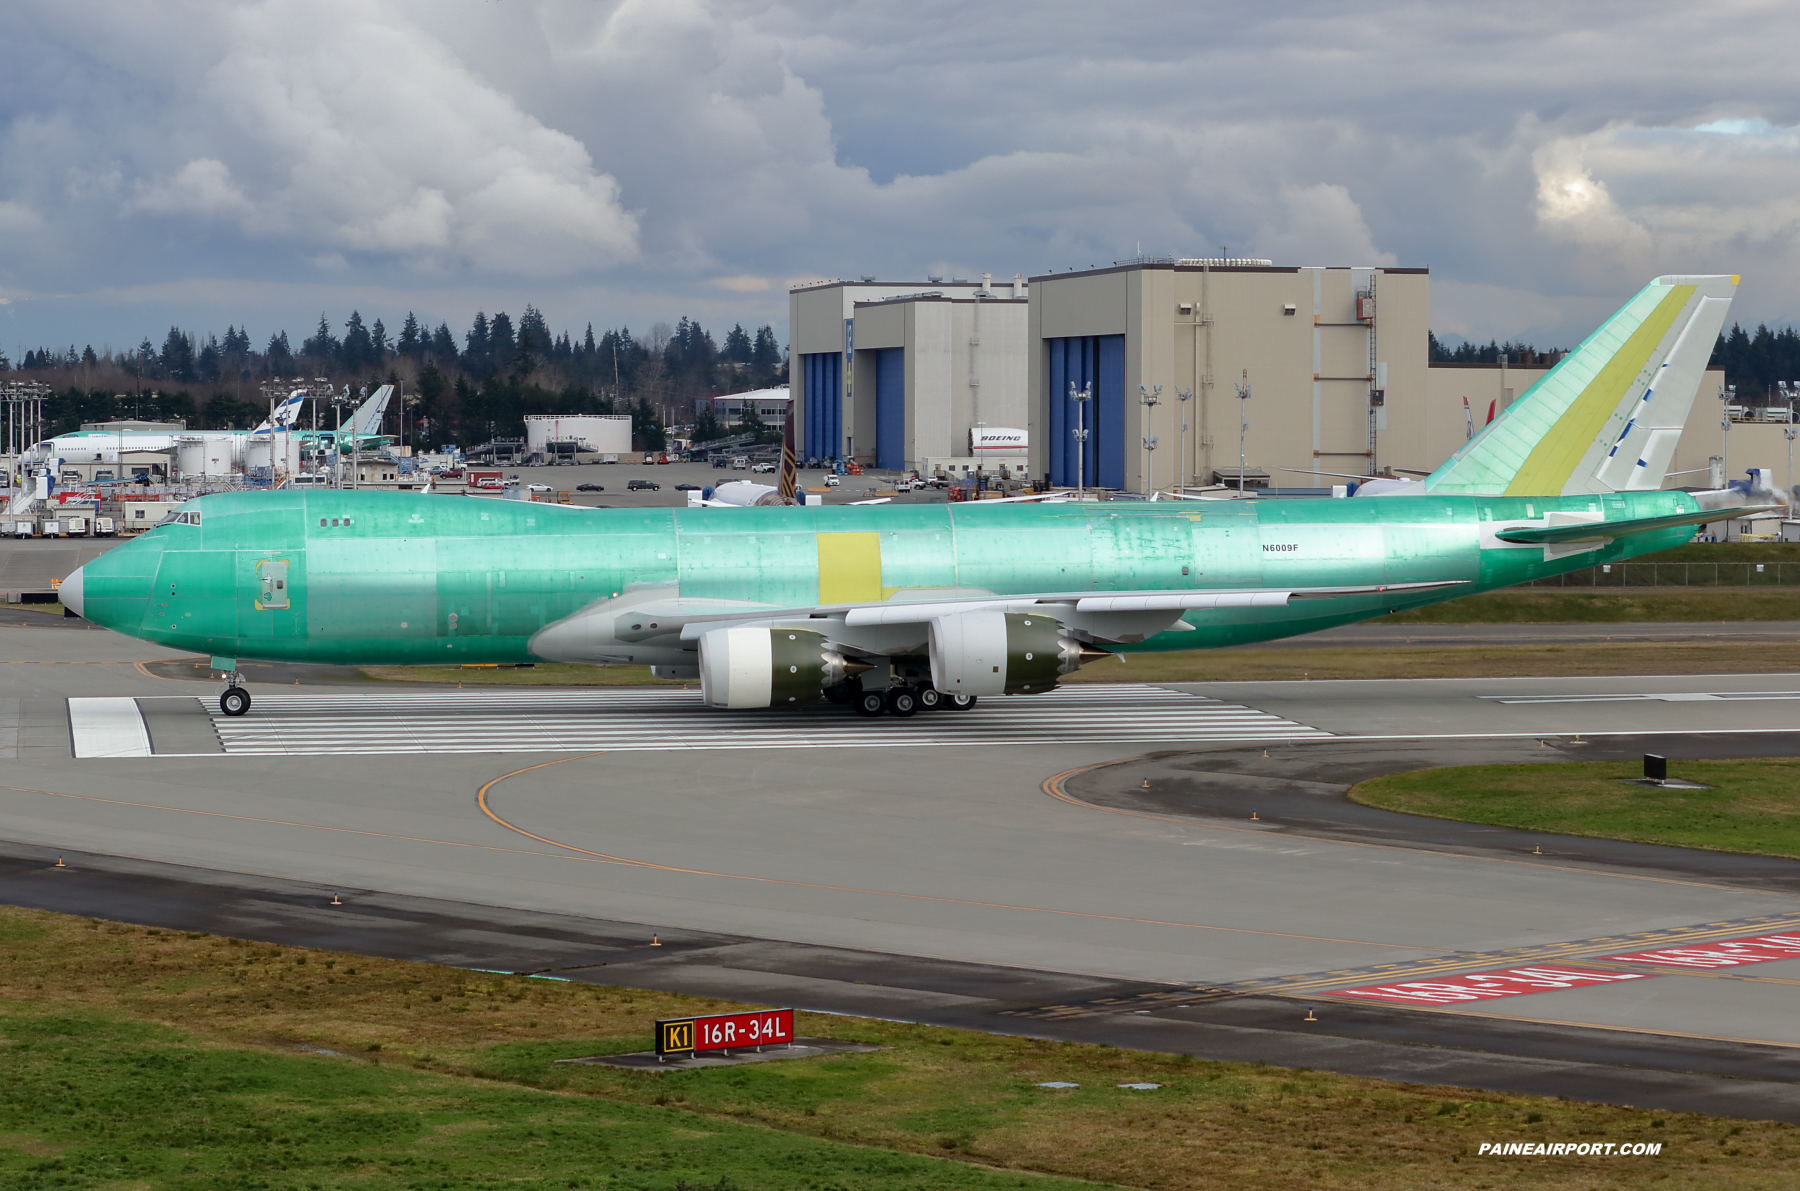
(896,608)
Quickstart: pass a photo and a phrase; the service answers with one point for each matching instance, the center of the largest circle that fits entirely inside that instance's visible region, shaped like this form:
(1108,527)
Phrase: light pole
(1728,395)
(1080,397)
(1790,433)
(1181,477)
(1243,395)
(339,401)
(1150,398)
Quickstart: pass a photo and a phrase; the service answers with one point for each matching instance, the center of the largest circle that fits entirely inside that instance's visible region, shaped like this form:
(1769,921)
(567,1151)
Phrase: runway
(983,899)
(631,719)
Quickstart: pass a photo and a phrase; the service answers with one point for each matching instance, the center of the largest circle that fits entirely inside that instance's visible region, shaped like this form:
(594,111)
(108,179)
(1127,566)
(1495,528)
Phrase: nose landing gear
(235,701)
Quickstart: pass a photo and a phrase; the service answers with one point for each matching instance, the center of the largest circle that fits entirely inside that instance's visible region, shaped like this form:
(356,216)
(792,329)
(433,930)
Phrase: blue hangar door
(890,408)
(824,405)
(1082,360)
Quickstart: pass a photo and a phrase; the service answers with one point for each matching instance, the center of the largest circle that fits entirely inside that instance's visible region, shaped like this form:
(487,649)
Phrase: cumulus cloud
(632,160)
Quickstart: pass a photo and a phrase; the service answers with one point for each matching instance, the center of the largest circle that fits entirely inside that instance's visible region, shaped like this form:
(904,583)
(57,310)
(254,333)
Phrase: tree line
(1754,362)
(464,392)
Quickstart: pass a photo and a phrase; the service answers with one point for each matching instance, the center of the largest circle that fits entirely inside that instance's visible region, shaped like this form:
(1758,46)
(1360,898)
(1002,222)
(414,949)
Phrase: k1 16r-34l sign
(724,1031)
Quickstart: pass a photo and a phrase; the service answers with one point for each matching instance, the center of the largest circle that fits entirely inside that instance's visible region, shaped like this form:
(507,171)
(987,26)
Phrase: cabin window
(334,520)
(321,523)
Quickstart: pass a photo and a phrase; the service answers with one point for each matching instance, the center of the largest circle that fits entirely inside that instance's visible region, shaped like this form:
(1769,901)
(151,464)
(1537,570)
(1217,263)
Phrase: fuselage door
(273,574)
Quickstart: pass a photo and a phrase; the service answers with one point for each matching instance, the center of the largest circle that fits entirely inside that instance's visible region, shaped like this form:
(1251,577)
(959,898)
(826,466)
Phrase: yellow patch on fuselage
(849,568)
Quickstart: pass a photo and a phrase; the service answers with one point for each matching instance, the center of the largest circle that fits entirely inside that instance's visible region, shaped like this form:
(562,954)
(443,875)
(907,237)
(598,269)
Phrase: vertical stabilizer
(1607,417)
(367,418)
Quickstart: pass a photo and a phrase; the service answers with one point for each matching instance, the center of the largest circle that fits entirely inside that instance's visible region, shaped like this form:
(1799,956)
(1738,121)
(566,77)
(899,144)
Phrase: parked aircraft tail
(1607,416)
(367,418)
(285,414)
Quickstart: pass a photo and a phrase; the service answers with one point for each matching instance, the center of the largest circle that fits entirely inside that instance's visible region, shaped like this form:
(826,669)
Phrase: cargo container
(103,527)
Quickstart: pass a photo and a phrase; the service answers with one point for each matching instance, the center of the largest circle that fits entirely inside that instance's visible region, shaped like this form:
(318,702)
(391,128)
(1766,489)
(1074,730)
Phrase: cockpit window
(180,517)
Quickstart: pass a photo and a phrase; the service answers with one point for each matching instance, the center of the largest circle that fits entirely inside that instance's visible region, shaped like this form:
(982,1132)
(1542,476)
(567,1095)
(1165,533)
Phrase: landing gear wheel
(870,704)
(235,701)
(930,698)
(959,702)
(902,701)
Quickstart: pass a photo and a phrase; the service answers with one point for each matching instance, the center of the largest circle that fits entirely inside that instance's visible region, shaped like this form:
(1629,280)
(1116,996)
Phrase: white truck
(104,528)
(609,458)
(53,528)
(75,526)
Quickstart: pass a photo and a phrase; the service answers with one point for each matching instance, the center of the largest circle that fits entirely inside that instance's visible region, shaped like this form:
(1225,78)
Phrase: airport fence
(1678,574)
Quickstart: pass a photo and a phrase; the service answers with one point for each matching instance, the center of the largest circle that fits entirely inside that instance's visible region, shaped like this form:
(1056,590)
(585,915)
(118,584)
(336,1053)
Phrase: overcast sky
(627,161)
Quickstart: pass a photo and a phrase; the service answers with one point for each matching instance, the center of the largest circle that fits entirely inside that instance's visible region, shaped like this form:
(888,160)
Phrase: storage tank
(602,433)
(190,456)
(259,452)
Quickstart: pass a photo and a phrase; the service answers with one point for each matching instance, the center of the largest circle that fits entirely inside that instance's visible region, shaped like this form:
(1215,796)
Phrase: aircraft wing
(1600,531)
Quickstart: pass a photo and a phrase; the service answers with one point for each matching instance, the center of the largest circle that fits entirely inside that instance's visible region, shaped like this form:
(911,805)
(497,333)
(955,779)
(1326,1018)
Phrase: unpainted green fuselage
(402,579)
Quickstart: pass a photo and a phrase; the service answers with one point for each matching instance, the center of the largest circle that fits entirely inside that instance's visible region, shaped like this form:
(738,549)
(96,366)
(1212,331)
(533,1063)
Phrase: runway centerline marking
(481,800)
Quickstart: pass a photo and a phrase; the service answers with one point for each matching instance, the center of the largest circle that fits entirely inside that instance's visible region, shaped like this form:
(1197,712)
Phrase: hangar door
(823,411)
(1082,360)
(890,408)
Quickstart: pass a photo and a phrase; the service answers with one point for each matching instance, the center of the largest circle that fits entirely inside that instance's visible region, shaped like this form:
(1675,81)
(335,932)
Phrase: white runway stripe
(645,720)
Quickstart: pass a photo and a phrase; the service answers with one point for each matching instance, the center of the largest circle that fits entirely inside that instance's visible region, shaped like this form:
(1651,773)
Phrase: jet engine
(1013,653)
(762,667)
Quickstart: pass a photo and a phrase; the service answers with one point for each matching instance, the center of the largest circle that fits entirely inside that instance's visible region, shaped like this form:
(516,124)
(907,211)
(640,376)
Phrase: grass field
(1751,806)
(1607,605)
(133,1058)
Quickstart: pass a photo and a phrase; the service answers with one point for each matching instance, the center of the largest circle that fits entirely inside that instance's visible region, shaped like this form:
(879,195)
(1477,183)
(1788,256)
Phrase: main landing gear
(903,701)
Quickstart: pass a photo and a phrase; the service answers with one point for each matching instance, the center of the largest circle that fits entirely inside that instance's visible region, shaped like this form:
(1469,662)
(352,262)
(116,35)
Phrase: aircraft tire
(930,698)
(902,701)
(959,702)
(870,704)
(235,701)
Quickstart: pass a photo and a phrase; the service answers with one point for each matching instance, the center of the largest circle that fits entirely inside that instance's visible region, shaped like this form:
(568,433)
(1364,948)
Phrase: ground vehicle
(53,529)
(831,480)
(649,456)
(739,462)
(721,461)
(643,486)
(103,527)
(764,466)
(75,527)
(590,488)
(687,487)
(539,488)
(609,458)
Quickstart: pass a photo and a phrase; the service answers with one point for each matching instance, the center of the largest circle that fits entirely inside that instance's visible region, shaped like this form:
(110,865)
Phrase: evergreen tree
(207,365)
(646,424)
(766,354)
(358,350)
(378,340)
(323,347)
(443,344)
(737,349)
(278,357)
(503,348)
(477,357)
(178,356)
(88,357)
(411,342)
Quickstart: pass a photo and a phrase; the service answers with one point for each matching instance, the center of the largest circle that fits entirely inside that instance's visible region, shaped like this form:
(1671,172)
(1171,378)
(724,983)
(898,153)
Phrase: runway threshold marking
(482,801)
(107,727)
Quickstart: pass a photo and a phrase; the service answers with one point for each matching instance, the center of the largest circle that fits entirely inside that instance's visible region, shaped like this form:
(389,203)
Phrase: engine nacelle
(1002,653)
(759,667)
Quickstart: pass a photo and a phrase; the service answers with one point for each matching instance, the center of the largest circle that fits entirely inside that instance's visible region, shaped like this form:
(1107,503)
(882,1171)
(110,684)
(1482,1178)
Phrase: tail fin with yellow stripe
(1607,417)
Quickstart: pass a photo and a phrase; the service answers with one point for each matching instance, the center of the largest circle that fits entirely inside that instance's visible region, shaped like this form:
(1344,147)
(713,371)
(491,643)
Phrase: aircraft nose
(70,591)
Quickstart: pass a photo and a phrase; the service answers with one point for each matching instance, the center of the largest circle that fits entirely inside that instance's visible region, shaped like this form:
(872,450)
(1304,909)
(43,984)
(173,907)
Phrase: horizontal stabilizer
(1600,531)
